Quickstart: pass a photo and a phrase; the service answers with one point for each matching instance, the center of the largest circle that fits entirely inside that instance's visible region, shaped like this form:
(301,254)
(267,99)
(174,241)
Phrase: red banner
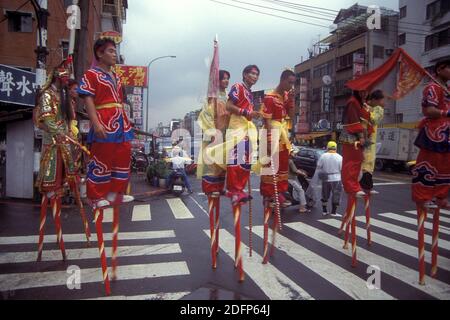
(132,76)
(410,75)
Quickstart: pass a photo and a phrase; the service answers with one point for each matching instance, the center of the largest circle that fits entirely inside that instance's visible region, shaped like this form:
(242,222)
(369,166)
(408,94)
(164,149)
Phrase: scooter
(178,185)
(139,161)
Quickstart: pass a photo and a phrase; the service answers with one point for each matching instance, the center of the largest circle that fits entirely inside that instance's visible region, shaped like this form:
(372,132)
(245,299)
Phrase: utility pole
(42,14)
(80,51)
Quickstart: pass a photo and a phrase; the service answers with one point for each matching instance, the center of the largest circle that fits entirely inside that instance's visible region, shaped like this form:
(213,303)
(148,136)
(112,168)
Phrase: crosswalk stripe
(108,215)
(413,222)
(179,209)
(18,281)
(90,253)
(430,216)
(445,212)
(141,213)
(390,184)
(444,263)
(275,284)
(435,288)
(346,281)
(403,231)
(82,237)
(154,296)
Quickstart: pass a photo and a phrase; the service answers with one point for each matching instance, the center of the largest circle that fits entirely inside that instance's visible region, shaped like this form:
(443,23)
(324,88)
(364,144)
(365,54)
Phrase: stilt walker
(77,153)
(431,182)
(235,153)
(110,136)
(57,165)
(277,108)
(213,120)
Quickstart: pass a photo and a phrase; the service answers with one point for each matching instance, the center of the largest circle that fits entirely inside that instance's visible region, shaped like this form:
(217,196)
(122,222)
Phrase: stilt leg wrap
(238,244)
(115,241)
(43,216)
(434,246)
(421,216)
(101,246)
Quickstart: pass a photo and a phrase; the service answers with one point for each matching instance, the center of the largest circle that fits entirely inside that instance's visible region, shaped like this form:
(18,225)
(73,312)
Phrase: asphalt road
(164,253)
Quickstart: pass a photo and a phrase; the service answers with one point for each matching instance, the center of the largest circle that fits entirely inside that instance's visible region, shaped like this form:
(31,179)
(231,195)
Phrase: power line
(269,14)
(280,10)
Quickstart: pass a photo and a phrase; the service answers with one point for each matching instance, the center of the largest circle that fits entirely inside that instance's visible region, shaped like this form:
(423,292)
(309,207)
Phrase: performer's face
(444,73)
(288,84)
(224,82)
(252,77)
(108,56)
(73,91)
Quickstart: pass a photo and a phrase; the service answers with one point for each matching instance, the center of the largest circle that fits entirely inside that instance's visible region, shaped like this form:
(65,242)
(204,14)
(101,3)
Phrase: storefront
(18,147)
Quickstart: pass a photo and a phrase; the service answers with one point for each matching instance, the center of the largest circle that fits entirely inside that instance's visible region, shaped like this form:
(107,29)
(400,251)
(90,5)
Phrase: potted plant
(152,177)
(162,172)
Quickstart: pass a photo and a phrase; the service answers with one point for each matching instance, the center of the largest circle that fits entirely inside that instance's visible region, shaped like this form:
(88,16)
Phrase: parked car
(307,158)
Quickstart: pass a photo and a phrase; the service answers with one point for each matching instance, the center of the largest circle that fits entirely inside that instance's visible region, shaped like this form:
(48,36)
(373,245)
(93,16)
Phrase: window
(19,21)
(402,12)
(378,52)
(399,118)
(433,9)
(437,39)
(402,39)
(65,49)
(323,69)
(316,94)
(345,61)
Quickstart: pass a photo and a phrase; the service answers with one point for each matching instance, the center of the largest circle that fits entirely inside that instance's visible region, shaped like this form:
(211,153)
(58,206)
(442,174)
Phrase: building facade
(19,140)
(424,32)
(350,49)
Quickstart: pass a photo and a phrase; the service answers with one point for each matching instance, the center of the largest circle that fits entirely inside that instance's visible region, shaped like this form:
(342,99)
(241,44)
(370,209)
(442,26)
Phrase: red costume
(352,152)
(276,108)
(432,170)
(109,169)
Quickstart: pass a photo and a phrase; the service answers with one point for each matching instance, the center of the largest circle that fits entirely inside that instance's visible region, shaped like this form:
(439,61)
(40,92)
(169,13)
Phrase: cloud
(186,28)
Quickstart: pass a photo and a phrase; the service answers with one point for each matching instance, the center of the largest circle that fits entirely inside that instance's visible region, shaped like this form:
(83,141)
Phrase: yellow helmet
(332,145)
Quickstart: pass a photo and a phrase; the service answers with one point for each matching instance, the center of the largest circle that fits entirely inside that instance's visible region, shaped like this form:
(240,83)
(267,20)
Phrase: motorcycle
(178,186)
(139,161)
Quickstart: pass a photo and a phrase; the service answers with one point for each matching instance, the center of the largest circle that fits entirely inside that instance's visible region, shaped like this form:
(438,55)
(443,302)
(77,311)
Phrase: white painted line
(18,281)
(155,296)
(179,209)
(90,253)
(403,231)
(390,184)
(346,281)
(82,237)
(199,205)
(433,287)
(445,212)
(141,213)
(275,284)
(429,216)
(108,215)
(443,262)
(413,222)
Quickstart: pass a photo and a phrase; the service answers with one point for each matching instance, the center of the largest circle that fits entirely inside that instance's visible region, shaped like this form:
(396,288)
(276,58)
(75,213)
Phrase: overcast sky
(186,28)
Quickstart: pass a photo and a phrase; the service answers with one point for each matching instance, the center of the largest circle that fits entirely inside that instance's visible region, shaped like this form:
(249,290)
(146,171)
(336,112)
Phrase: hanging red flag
(410,75)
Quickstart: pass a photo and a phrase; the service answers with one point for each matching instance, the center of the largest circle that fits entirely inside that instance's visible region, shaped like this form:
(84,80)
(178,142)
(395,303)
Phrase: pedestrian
(298,192)
(329,169)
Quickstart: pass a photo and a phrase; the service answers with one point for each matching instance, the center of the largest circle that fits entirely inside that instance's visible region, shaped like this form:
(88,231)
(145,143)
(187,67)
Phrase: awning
(312,135)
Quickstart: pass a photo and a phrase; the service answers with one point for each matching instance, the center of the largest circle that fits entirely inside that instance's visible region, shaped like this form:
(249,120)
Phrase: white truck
(395,148)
